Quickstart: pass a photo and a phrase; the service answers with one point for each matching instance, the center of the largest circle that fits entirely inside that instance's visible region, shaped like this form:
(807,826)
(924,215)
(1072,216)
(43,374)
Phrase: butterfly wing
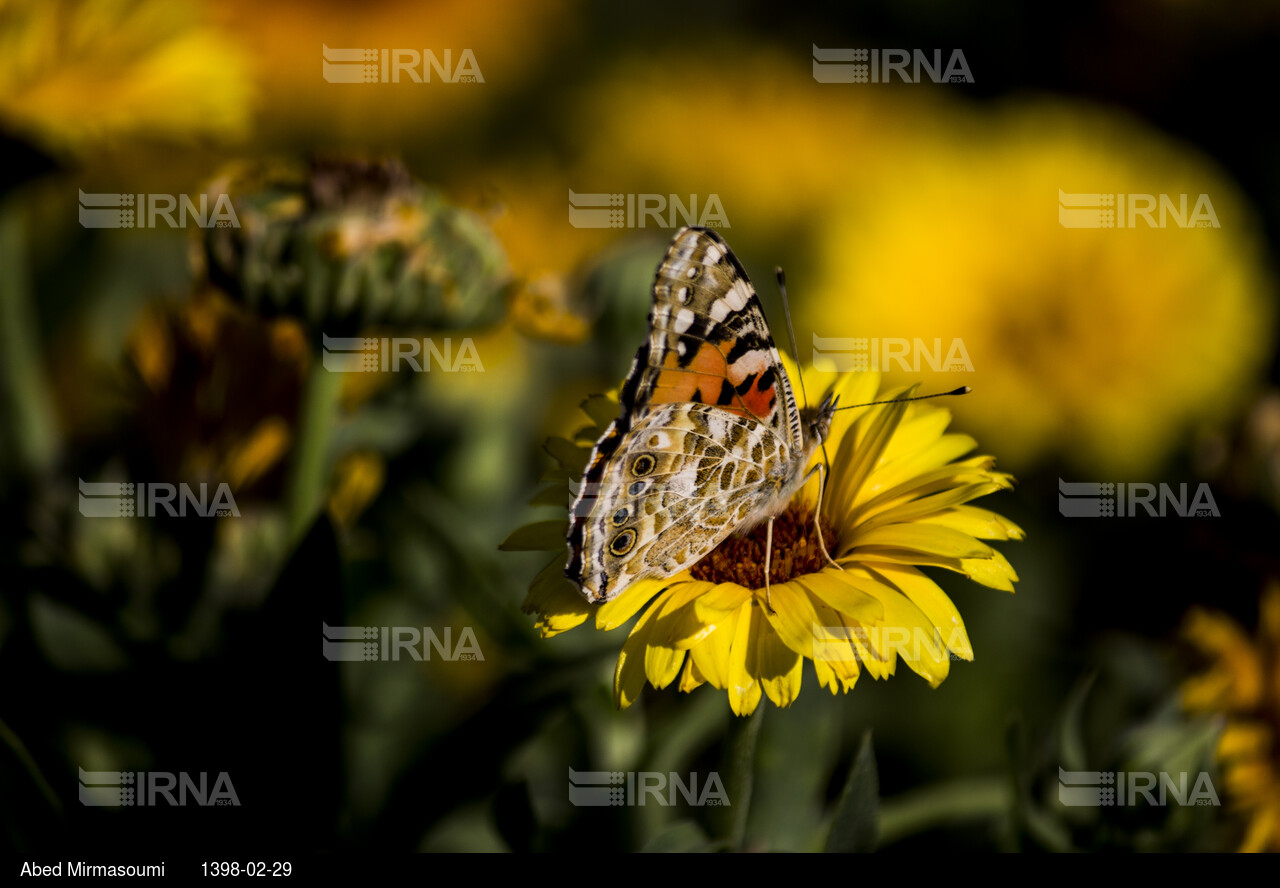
(708,344)
(681,480)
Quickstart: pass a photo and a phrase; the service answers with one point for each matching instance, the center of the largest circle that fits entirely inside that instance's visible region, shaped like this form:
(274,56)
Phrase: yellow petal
(903,510)
(858,455)
(1244,740)
(978,523)
(1263,832)
(995,572)
(777,666)
(907,633)
(629,676)
(744,690)
(850,389)
(900,539)
(935,604)
(827,676)
(793,618)
(834,589)
(613,614)
(906,461)
(835,658)
(866,643)
(691,677)
(711,655)
(554,599)
(878,495)
(661,663)
(1236,680)
(679,624)
(269,441)
(722,599)
(921,428)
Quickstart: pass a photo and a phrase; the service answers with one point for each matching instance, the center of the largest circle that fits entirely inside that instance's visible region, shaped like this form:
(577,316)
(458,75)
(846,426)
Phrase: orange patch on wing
(760,403)
(700,382)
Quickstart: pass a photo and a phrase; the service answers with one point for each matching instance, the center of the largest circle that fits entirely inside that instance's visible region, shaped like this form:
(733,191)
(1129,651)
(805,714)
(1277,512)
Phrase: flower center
(795,551)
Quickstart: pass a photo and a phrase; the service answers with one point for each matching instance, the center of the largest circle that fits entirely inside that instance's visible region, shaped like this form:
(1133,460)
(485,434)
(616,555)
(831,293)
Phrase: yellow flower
(77,77)
(1242,681)
(212,389)
(500,45)
(896,500)
(1102,346)
(817,145)
(357,480)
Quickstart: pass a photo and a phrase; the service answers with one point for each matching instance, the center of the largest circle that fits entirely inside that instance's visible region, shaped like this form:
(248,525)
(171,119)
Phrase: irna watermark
(353,644)
(1109,499)
(1096,210)
(398,65)
(639,210)
(889,66)
(599,789)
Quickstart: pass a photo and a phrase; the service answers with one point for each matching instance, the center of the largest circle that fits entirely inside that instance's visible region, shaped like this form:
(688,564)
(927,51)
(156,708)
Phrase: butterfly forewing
(707,416)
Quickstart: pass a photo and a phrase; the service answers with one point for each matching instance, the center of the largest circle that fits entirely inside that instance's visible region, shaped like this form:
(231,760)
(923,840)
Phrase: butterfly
(709,440)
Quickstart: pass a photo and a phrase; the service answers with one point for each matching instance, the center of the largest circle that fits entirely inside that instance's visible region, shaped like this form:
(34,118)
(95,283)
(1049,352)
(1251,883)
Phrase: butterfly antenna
(963,390)
(795,349)
(791,333)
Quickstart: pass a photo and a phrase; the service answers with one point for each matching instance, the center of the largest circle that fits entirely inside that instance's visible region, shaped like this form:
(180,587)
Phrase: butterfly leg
(768,557)
(817,513)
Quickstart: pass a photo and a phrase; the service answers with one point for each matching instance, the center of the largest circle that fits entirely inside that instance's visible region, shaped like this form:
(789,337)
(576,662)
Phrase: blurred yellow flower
(504,39)
(215,394)
(896,500)
(357,480)
(787,143)
(760,134)
(1101,345)
(76,76)
(258,453)
(1242,681)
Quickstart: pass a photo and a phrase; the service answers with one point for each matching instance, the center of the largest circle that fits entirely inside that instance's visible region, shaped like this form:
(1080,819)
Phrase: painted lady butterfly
(709,441)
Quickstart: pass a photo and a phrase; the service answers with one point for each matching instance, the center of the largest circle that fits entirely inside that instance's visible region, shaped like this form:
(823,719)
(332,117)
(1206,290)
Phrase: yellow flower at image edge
(897,499)
(77,77)
(1242,681)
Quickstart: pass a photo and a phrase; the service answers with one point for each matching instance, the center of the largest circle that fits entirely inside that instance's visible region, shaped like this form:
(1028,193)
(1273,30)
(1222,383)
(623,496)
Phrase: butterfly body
(709,440)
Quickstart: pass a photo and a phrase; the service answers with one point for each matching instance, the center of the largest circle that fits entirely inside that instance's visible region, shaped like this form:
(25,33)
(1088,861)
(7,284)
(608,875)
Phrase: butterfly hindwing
(683,478)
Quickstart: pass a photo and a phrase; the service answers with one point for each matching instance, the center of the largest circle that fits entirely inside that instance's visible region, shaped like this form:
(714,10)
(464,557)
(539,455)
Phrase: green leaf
(602,410)
(1027,818)
(856,824)
(541,536)
(571,457)
(968,800)
(1071,740)
(555,495)
(1172,746)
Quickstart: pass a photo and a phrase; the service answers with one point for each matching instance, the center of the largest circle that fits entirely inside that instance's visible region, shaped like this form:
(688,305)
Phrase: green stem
(24,395)
(309,473)
(674,745)
(740,758)
(978,798)
(10,739)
